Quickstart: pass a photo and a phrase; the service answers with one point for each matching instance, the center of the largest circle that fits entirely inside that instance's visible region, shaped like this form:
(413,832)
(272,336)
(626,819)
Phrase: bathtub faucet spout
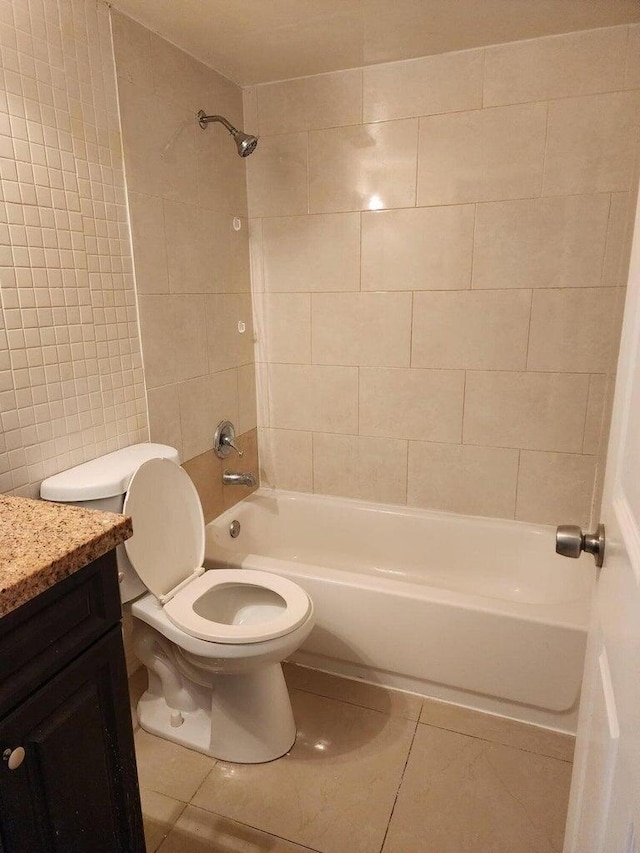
(231,478)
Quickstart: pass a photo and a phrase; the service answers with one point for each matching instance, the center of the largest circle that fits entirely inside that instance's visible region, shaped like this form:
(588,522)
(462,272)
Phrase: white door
(604,809)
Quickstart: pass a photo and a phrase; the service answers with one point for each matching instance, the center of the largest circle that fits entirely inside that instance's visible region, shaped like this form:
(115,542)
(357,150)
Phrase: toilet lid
(167,545)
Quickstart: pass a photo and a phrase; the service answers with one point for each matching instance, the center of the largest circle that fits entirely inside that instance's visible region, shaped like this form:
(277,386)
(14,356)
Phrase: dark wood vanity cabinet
(64,701)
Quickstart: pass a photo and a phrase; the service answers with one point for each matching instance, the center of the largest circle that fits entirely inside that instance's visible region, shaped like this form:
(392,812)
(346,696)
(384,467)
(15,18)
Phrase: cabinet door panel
(76,790)
(40,638)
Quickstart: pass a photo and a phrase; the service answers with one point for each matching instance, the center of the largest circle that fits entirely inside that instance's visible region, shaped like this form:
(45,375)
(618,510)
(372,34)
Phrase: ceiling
(257,41)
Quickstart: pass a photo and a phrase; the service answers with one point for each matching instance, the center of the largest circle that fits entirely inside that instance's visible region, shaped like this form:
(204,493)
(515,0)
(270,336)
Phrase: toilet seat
(280,617)
(167,552)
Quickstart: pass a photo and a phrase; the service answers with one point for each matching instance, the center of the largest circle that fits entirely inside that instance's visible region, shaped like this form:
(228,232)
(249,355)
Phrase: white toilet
(212,641)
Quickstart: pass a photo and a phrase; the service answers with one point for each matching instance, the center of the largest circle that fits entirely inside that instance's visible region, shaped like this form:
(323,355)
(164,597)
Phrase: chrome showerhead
(245,142)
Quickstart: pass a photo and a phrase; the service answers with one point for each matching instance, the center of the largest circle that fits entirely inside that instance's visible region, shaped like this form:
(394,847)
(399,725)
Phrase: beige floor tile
(168,768)
(334,792)
(498,729)
(199,831)
(464,795)
(159,813)
(354,692)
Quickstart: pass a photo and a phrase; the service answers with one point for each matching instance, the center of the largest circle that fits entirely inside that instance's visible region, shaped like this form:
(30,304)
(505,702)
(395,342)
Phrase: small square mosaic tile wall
(71,379)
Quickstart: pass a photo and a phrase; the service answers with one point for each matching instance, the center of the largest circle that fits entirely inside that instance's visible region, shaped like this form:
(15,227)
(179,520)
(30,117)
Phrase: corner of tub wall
(206,472)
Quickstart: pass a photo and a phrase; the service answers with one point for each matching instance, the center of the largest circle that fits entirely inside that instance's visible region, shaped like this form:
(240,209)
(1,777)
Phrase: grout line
(358,401)
(359,252)
(172,826)
(627,56)
(607,235)
(404,770)
(473,248)
(415,204)
(464,402)
(311,354)
(544,152)
(406,488)
(412,320)
(586,414)
(526,354)
(248,825)
(511,289)
(308,134)
(503,741)
(463,203)
(261,260)
(195,793)
(351,702)
(431,441)
(515,502)
(616,90)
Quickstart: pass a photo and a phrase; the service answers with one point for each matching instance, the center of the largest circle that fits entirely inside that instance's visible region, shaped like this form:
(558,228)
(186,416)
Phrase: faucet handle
(229,441)
(224,440)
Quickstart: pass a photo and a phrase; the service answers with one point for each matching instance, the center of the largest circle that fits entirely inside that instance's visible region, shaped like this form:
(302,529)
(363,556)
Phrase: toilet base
(249,720)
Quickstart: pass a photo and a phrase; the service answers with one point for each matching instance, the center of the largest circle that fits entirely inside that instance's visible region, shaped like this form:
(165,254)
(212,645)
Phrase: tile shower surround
(439,251)
(185,187)
(71,381)
(469,124)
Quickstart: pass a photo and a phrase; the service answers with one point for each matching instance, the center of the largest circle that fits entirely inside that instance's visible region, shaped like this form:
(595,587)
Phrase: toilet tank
(102,484)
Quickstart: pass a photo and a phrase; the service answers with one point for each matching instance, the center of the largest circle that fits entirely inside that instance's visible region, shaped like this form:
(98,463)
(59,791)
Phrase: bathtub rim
(387,508)
(572,614)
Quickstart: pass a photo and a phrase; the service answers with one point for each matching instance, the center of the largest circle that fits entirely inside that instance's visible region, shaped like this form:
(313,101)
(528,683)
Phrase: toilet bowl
(212,641)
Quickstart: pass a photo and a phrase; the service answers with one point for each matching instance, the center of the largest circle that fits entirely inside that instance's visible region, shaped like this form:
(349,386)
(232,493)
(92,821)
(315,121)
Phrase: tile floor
(371,770)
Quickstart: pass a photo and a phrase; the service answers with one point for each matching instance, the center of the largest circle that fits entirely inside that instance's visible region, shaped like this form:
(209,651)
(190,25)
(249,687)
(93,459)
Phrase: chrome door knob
(571,542)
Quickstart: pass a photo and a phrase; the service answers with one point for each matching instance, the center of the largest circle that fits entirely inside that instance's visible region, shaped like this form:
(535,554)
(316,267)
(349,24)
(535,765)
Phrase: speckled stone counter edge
(42,543)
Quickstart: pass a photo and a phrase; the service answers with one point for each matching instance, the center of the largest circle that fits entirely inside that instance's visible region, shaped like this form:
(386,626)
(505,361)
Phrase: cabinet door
(76,790)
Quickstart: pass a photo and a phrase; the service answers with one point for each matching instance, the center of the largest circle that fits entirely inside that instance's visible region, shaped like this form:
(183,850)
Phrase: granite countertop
(42,543)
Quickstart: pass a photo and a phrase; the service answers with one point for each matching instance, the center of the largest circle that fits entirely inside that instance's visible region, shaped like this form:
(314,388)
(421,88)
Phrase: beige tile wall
(71,382)
(438,250)
(186,186)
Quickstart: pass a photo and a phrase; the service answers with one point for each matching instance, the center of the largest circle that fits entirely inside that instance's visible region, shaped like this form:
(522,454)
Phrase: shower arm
(204,120)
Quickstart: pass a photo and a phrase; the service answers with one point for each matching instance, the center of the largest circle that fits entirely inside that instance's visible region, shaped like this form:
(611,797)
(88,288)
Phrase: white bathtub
(476,611)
